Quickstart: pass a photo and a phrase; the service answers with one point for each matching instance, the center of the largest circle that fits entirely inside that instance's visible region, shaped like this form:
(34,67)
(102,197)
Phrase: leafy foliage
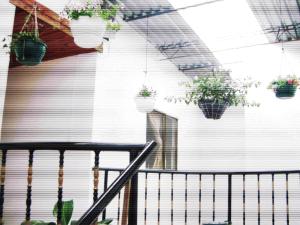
(103,10)
(67,211)
(146,92)
(113,26)
(281,82)
(217,88)
(20,36)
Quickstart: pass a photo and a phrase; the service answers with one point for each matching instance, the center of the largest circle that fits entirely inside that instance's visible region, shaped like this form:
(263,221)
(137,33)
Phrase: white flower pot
(88,31)
(145,104)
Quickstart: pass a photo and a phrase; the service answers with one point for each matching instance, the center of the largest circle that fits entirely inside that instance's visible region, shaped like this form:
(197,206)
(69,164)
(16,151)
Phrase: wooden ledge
(44,14)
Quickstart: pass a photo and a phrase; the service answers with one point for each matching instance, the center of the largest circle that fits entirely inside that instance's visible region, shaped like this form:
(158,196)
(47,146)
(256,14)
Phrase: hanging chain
(146,57)
(36,26)
(281,38)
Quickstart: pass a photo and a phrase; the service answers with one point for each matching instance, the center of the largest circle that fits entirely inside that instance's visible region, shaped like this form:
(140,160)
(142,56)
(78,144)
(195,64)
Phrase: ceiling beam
(175,45)
(142,14)
(45,14)
(195,66)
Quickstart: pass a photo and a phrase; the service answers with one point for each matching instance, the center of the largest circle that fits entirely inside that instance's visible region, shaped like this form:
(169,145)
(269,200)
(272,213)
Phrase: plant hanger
(145,99)
(146,50)
(26,44)
(36,27)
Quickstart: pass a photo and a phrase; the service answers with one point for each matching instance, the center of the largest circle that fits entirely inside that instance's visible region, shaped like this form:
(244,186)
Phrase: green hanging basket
(29,52)
(287,91)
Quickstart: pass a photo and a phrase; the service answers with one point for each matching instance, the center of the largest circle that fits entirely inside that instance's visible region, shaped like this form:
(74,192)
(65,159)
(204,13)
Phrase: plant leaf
(67,211)
(105,222)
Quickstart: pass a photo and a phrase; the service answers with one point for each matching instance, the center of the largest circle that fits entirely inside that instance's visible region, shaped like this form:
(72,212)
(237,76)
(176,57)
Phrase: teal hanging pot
(287,91)
(29,52)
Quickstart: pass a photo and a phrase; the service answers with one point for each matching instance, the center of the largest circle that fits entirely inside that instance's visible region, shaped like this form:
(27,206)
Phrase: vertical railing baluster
(105,188)
(96,178)
(200,197)
(60,187)
(158,195)
(244,199)
(29,188)
(273,201)
(2,187)
(146,196)
(258,199)
(119,206)
(172,199)
(229,198)
(214,197)
(185,201)
(96,175)
(287,199)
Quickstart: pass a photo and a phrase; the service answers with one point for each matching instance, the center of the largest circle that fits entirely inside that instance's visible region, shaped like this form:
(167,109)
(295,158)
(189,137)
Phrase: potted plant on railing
(285,87)
(66,216)
(88,21)
(26,44)
(145,100)
(214,93)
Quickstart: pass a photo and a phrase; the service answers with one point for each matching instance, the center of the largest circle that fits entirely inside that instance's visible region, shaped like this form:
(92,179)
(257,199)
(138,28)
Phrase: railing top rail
(71,146)
(192,172)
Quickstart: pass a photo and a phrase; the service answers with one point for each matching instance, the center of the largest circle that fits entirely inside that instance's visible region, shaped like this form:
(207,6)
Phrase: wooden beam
(45,14)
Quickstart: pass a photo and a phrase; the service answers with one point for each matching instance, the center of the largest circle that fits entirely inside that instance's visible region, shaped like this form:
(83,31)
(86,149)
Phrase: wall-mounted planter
(88,31)
(285,92)
(145,104)
(29,52)
(212,110)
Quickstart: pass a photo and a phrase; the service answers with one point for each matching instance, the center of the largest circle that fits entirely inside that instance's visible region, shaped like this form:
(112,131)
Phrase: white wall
(49,102)
(6,26)
(203,144)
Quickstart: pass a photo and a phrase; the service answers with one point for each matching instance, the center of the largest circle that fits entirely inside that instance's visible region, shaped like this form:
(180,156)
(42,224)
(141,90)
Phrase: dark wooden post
(133,200)
(229,198)
(2,187)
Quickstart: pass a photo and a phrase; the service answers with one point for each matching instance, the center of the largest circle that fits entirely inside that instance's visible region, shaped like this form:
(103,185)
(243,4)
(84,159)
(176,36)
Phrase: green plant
(103,10)
(217,88)
(282,82)
(113,26)
(66,215)
(146,92)
(21,36)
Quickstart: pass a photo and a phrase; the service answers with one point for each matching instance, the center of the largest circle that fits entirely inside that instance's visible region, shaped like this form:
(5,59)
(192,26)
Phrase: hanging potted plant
(88,21)
(26,44)
(111,30)
(28,48)
(145,100)
(214,93)
(285,87)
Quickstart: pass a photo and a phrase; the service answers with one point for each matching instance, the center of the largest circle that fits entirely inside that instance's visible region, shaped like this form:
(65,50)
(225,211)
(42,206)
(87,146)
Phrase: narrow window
(162,129)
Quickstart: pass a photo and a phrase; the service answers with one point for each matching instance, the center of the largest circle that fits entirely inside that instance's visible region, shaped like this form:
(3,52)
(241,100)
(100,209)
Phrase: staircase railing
(89,217)
(200,197)
(138,154)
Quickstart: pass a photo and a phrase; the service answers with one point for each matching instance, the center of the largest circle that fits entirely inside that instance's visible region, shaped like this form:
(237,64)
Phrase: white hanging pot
(88,31)
(145,104)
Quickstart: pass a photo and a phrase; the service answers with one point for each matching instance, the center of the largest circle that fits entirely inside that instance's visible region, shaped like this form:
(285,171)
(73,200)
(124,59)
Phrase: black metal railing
(197,197)
(138,154)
